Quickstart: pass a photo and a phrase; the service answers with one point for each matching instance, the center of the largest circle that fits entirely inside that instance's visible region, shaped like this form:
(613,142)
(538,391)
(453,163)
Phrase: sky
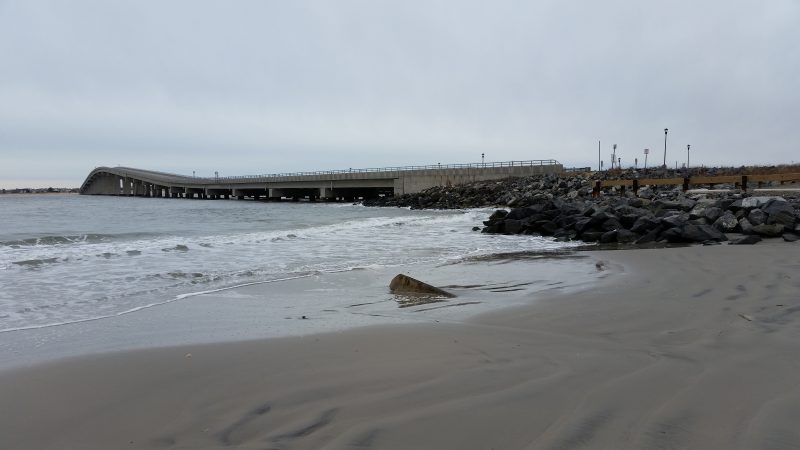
(255,87)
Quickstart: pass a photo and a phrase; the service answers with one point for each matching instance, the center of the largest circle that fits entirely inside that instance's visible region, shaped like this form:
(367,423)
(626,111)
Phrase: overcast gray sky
(245,87)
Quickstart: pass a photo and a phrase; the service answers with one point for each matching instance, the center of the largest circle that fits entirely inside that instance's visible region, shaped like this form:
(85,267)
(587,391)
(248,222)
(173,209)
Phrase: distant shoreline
(44,191)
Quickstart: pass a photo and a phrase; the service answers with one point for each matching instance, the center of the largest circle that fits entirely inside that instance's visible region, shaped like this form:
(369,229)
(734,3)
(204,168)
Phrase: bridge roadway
(346,185)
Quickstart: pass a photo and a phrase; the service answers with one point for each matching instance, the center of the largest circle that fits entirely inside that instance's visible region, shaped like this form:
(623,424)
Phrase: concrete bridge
(346,185)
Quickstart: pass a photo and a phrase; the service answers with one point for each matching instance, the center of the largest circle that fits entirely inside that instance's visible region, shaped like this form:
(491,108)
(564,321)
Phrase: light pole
(482,163)
(688,146)
(666,130)
(614,156)
(646,152)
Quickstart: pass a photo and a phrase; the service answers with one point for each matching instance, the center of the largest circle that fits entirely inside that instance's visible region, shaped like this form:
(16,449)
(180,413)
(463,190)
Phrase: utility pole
(599,163)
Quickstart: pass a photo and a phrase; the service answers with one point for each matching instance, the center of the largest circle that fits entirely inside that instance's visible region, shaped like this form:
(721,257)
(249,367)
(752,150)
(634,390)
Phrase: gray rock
(513,226)
(677,220)
(608,237)
(746,240)
(790,237)
(546,227)
(520,213)
(701,233)
(686,204)
(757,217)
(649,237)
(644,224)
(712,213)
(727,223)
(666,204)
(626,237)
(780,212)
(774,230)
(591,236)
(611,224)
(672,235)
(746,226)
(757,202)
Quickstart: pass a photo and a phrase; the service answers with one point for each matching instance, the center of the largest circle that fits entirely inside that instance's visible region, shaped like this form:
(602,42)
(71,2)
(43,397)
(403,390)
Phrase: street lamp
(688,146)
(613,156)
(665,147)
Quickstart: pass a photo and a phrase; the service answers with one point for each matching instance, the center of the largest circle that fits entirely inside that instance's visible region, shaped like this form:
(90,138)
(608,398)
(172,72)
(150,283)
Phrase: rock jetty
(562,206)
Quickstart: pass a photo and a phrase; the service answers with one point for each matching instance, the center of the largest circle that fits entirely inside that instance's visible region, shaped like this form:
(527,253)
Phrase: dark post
(665,147)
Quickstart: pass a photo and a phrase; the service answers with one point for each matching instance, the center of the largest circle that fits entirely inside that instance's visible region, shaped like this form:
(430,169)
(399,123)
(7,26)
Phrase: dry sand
(693,347)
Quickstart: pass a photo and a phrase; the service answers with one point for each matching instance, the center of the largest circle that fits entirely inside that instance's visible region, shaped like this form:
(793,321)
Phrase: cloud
(279,86)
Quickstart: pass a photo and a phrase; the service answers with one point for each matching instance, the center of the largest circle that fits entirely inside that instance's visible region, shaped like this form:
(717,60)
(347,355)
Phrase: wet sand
(695,347)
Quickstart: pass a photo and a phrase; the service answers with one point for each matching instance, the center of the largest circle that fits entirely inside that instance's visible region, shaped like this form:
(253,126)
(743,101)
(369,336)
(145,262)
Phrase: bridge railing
(533,162)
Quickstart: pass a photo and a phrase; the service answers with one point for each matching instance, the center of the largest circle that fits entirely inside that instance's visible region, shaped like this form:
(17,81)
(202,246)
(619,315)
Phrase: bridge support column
(326,194)
(276,194)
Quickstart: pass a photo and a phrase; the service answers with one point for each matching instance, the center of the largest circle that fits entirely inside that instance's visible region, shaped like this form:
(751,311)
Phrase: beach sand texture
(695,347)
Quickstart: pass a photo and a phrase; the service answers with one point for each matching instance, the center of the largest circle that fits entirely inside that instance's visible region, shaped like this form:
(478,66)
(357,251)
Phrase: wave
(45,241)
(152,304)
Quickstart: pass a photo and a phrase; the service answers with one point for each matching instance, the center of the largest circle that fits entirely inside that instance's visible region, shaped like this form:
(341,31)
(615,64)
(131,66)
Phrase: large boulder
(711,214)
(513,226)
(757,217)
(727,223)
(746,226)
(746,240)
(644,224)
(404,284)
(701,233)
(608,237)
(774,230)
(781,212)
(758,202)
(626,237)
(677,220)
(521,213)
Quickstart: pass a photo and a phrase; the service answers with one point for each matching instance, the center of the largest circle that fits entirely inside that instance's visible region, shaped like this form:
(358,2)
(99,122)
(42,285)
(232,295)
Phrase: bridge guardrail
(533,162)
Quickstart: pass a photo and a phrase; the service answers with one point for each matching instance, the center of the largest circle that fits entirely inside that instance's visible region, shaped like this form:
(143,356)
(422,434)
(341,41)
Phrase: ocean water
(67,259)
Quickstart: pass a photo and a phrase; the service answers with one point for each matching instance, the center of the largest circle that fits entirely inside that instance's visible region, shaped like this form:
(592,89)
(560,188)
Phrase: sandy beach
(694,347)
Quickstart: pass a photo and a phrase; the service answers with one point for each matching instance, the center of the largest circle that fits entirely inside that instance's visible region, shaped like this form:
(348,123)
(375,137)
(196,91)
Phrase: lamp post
(614,156)
(688,146)
(482,163)
(666,130)
(646,152)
